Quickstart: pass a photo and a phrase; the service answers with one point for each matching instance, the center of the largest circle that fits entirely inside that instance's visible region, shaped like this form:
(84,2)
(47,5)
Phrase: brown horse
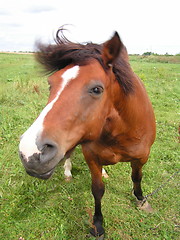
(96,100)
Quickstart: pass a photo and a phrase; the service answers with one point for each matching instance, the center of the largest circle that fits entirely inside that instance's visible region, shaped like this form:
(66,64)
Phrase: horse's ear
(111,49)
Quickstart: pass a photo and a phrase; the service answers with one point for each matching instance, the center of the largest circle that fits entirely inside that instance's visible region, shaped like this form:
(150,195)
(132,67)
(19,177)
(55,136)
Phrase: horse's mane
(57,56)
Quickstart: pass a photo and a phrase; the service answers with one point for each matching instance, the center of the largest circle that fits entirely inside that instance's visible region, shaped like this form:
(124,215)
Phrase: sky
(143,25)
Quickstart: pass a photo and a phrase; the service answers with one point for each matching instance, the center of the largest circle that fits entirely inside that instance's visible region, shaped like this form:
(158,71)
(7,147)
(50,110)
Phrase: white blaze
(28,140)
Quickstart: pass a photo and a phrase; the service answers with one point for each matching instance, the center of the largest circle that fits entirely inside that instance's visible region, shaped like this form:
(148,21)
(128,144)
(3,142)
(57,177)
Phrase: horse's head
(78,104)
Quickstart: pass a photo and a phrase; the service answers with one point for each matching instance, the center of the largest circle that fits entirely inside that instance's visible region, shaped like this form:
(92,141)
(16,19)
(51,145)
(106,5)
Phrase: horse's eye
(97,90)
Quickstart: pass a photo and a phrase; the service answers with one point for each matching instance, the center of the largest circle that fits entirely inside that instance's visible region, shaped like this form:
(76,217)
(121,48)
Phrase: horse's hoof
(68,179)
(145,206)
(102,237)
(97,231)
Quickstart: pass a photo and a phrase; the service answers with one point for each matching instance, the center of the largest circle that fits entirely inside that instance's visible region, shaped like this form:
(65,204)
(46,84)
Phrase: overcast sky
(144,25)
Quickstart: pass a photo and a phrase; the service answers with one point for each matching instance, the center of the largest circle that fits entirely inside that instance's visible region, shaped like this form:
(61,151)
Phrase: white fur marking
(104,173)
(71,73)
(68,168)
(28,141)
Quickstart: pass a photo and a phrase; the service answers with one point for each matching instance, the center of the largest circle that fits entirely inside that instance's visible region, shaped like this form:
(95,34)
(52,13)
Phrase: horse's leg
(67,169)
(136,178)
(97,191)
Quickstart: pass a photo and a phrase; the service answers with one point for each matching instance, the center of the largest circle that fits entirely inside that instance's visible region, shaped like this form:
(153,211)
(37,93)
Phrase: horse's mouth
(49,173)
(43,176)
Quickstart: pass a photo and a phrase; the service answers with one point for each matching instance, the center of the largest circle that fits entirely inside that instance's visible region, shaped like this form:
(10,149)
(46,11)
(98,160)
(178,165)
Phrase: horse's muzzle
(41,163)
(43,176)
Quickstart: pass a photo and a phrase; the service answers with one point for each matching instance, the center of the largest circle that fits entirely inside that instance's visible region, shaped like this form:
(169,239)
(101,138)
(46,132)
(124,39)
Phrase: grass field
(34,209)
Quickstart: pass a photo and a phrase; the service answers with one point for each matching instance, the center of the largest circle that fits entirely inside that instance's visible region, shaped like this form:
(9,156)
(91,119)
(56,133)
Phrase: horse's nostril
(44,148)
(48,151)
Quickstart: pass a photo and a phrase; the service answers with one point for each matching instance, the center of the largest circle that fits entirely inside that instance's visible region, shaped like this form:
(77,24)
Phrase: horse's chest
(108,155)
(115,151)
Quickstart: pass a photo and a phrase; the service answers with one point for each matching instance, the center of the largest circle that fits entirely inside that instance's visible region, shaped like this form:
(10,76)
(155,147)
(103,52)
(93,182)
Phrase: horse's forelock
(57,56)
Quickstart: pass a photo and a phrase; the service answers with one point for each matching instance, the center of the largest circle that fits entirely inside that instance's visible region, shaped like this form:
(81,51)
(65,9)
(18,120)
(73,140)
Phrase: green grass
(55,209)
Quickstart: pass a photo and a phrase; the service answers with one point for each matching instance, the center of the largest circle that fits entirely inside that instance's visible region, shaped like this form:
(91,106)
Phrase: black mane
(57,56)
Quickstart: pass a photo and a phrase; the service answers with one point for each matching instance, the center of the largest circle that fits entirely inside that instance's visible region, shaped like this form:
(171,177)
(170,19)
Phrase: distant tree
(147,53)
(150,53)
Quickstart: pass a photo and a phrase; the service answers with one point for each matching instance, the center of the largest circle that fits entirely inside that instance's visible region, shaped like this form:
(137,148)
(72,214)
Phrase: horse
(96,101)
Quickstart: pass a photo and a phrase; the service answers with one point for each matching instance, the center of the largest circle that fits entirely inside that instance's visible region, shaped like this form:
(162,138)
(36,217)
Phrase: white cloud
(39,9)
